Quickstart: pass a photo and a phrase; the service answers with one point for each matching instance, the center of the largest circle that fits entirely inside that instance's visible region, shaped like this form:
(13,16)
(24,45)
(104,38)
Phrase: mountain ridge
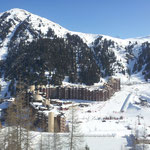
(81,34)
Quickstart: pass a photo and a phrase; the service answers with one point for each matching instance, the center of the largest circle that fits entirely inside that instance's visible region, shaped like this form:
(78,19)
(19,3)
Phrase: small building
(46,102)
(56,123)
(37,97)
(32,88)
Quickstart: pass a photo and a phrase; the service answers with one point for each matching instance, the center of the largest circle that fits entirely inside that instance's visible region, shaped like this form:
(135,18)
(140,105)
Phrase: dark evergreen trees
(143,61)
(105,57)
(70,57)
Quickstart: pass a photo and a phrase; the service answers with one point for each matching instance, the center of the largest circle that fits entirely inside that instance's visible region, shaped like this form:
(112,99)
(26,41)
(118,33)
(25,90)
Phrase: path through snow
(126,103)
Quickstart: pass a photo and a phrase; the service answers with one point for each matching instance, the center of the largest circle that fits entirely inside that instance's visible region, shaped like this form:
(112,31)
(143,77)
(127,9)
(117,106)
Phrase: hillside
(33,45)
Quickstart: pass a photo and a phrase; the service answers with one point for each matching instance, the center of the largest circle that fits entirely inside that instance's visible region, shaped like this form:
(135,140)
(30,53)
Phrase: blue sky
(117,18)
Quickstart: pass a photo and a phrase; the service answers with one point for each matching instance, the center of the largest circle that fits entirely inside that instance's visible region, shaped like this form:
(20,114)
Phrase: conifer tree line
(69,56)
(60,57)
(105,57)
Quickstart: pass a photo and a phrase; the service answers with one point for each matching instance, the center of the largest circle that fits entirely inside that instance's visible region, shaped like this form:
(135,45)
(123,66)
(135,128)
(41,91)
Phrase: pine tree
(75,137)
(19,121)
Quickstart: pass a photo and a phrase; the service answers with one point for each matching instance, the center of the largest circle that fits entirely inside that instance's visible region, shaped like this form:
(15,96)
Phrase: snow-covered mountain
(113,56)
